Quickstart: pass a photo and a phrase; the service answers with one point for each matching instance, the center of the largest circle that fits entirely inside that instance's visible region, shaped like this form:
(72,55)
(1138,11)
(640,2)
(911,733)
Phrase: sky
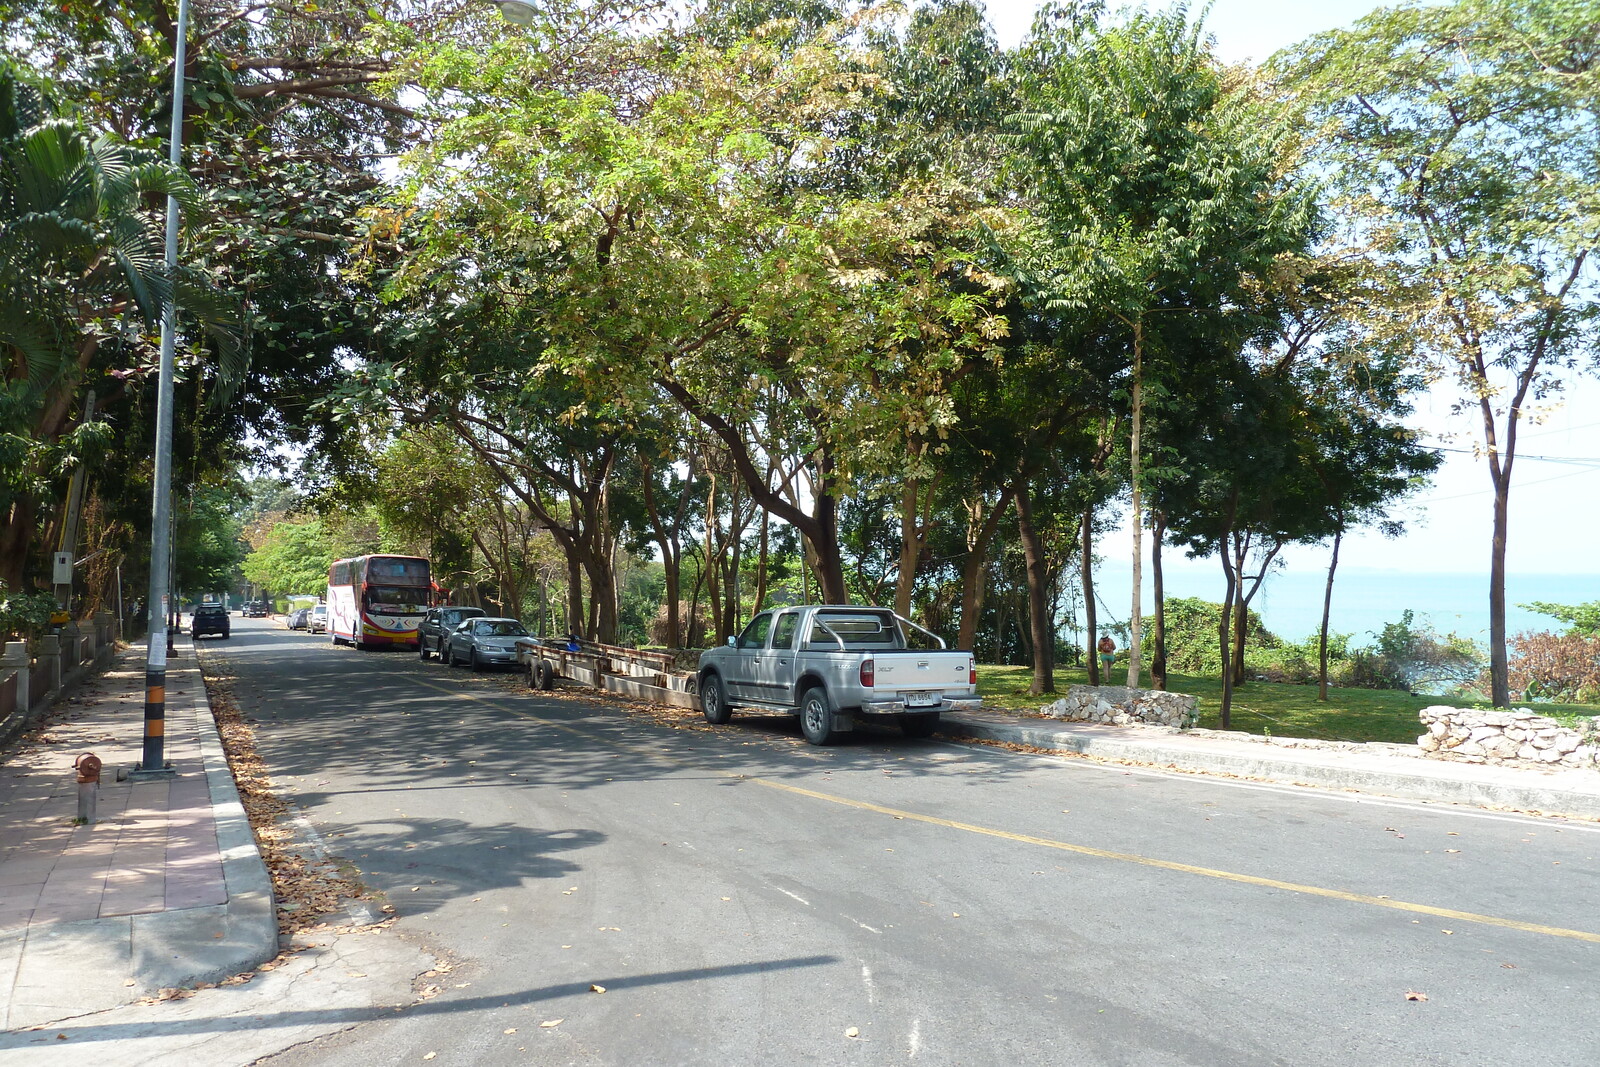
(1555,495)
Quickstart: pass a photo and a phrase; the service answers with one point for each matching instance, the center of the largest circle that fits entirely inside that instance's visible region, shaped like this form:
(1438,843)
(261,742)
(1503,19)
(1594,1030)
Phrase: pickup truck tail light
(869,673)
(972,672)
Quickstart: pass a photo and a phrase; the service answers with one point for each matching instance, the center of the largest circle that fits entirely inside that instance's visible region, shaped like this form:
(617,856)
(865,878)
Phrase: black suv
(209,619)
(433,632)
(256,609)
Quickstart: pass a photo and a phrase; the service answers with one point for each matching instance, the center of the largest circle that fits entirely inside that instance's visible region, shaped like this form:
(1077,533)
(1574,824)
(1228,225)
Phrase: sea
(1364,600)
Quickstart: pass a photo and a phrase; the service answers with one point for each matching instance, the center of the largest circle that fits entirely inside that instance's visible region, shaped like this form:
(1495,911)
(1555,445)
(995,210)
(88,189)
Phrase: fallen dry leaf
(597,989)
(512,1030)
(852,1032)
(1412,994)
(430,1055)
(548,1023)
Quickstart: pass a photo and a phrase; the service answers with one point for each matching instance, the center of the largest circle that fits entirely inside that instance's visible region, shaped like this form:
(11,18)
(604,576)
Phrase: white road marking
(914,1039)
(866,980)
(796,896)
(864,926)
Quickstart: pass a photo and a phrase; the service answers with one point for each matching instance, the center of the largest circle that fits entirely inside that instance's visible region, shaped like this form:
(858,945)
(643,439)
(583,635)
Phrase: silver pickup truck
(831,665)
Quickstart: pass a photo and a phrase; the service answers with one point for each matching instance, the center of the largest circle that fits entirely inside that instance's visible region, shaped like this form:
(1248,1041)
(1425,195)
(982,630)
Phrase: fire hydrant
(88,768)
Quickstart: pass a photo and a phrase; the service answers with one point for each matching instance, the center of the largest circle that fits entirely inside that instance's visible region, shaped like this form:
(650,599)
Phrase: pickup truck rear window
(858,629)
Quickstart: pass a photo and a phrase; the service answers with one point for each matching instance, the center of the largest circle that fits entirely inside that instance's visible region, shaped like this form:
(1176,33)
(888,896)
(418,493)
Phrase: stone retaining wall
(1119,705)
(1474,735)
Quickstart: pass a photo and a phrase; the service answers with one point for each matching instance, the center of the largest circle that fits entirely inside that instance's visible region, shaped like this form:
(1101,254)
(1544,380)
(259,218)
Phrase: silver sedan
(485,643)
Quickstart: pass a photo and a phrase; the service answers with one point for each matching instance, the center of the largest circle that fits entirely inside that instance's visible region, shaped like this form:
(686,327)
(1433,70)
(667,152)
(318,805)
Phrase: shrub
(1191,633)
(1563,668)
(24,614)
(1415,656)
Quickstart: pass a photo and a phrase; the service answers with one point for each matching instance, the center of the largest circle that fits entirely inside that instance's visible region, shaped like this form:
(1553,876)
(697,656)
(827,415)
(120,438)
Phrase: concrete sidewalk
(1382,770)
(165,889)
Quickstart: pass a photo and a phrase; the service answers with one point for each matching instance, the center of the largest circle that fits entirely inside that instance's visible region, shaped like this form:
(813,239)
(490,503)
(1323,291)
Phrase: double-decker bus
(377,601)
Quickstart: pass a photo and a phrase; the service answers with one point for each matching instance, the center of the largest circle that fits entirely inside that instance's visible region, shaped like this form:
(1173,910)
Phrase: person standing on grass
(1108,656)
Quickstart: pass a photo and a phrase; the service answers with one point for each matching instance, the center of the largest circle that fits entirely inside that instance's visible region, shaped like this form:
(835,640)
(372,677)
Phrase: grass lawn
(1266,707)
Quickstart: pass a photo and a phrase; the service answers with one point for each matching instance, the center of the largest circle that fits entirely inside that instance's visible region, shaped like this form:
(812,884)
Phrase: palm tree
(81,260)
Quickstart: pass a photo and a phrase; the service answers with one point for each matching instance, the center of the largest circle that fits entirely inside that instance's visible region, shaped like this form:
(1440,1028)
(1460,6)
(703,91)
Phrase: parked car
(256,609)
(831,665)
(436,626)
(209,619)
(297,619)
(484,642)
(317,620)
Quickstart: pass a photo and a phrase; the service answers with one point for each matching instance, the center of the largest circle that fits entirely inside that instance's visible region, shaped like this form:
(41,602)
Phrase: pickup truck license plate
(921,700)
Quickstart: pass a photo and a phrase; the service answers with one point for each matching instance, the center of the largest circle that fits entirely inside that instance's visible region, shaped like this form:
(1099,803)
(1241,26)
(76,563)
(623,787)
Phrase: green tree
(1161,195)
(294,559)
(1463,141)
(80,267)
(1582,619)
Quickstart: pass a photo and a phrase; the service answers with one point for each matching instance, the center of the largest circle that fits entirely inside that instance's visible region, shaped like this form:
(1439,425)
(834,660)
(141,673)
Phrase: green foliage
(1387,715)
(294,560)
(1414,656)
(1192,636)
(208,546)
(1581,619)
(23,613)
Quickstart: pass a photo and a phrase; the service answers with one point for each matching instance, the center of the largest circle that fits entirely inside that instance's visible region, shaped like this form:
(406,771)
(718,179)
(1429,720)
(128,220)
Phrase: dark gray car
(435,628)
(485,643)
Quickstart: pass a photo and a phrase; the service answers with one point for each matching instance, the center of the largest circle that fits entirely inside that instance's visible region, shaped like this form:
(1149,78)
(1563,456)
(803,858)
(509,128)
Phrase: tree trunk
(15,541)
(1225,717)
(1499,676)
(574,592)
(979,536)
(1038,624)
(761,561)
(1327,609)
(910,549)
(1086,563)
(1135,615)
(1158,653)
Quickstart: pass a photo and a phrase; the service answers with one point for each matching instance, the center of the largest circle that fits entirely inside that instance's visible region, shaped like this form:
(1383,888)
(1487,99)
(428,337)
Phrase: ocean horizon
(1365,599)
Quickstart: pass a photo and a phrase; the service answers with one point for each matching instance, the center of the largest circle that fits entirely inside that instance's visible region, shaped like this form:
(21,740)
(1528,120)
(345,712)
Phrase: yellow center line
(1089,850)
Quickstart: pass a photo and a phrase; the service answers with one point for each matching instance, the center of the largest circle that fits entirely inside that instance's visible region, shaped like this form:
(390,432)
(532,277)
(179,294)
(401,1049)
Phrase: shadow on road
(350,1016)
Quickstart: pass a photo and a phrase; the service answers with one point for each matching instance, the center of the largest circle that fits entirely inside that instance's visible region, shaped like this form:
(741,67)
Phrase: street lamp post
(153,761)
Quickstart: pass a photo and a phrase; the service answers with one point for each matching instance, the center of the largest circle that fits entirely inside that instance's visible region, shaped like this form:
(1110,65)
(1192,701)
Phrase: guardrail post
(47,664)
(104,640)
(15,658)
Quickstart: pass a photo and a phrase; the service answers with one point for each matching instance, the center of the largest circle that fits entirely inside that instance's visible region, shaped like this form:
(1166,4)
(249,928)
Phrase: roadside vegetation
(641,317)
(1274,709)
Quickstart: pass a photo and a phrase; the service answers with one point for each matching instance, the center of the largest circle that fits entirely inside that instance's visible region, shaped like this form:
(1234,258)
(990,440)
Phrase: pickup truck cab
(831,665)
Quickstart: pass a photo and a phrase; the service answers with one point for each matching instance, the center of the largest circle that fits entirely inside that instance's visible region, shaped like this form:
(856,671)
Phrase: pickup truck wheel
(713,702)
(816,716)
(920,725)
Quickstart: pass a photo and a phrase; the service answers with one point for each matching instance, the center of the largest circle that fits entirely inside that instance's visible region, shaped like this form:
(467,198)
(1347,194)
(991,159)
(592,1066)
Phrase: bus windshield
(396,600)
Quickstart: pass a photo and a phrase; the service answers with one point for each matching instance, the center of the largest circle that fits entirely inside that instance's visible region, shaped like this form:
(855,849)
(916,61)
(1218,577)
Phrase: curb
(1281,767)
(252,909)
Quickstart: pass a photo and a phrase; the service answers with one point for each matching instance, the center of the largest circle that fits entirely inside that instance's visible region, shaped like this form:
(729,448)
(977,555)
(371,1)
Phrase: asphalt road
(744,898)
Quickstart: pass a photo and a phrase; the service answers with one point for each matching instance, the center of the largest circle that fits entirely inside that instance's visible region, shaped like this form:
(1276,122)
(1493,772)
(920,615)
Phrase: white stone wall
(1474,735)
(1119,705)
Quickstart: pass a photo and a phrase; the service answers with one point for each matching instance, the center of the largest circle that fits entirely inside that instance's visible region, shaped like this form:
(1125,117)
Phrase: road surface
(742,897)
